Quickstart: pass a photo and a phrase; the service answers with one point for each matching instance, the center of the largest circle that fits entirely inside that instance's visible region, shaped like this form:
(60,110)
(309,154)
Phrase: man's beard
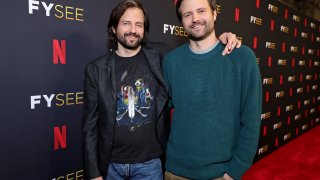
(128,45)
(198,36)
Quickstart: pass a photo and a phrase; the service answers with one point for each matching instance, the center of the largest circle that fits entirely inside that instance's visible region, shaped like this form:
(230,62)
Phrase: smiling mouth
(197,26)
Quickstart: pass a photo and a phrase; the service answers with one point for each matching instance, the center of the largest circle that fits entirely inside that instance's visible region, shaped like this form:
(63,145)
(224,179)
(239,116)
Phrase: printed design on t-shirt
(133,104)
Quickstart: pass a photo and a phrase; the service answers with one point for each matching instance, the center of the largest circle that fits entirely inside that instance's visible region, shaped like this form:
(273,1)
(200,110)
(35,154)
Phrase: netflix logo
(59,51)
(237,14)
(60,137)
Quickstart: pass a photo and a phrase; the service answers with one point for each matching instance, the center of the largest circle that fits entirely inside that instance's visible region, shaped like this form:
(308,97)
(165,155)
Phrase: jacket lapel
(154,61)
(110,75)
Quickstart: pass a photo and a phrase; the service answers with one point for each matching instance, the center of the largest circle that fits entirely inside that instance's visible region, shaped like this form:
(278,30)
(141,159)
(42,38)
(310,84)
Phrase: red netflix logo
(257,3)
(272,25)
(305,22)
(286,14)
(60,137)
(59,52)
(237,15)
(255,42)
(283,47)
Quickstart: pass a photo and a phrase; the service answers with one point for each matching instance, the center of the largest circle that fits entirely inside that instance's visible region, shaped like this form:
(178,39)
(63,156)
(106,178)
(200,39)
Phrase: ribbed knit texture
(217,109)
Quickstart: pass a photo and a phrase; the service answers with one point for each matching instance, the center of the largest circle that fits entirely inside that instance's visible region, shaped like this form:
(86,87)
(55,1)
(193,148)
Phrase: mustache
(132,34)
(198,23)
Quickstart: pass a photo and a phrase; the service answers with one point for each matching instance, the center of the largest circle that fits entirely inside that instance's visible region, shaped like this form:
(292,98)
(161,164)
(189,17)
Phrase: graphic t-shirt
(135,137)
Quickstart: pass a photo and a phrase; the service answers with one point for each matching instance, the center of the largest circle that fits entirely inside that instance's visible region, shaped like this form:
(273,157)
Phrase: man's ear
(215,15)
(113,30)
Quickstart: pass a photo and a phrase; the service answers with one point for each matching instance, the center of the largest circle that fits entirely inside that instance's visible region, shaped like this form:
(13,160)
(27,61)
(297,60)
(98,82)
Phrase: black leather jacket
(99,108)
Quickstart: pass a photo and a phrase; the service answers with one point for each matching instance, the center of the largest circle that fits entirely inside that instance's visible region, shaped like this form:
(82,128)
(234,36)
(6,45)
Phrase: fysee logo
(282,62)
(270,45)
(263,149)
(60,11)
(67,99)
(296,18)
(299,90)
(304,35)
(289,108)
(256,20)
(287,136)
(291,78)
(174,30)
(284,29)
(268,81)
(273,8)
(312,25)
(302,63)
(265,115)
(314,87)
(294,49)
(279,94)
(277,125)
(306,102)
(310,51)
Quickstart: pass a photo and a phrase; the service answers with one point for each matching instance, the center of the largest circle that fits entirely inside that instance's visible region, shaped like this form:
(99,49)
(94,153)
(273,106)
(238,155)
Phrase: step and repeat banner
(45,45)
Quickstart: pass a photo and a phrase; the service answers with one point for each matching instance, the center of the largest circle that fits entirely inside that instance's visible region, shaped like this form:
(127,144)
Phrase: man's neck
(124,52)
(204,44)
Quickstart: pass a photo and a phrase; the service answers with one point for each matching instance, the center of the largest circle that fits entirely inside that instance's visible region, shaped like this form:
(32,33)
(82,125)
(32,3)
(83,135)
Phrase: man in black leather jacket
(125,124)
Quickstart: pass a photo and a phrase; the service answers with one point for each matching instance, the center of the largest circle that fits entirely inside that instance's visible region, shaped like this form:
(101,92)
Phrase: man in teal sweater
(216,99)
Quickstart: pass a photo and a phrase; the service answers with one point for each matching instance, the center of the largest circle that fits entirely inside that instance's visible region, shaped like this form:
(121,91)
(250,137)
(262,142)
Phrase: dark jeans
(149,170)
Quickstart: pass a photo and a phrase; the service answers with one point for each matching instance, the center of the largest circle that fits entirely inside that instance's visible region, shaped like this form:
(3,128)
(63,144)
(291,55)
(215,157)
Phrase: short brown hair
(212,4)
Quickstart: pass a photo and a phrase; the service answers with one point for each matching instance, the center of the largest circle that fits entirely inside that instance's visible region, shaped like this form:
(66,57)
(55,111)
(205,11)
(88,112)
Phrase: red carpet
(297,160)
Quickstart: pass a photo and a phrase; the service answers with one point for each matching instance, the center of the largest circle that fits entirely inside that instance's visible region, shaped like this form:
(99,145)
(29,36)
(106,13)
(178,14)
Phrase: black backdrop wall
(46,44)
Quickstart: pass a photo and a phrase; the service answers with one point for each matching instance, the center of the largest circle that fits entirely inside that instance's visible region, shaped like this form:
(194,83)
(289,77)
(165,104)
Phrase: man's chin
(197,38)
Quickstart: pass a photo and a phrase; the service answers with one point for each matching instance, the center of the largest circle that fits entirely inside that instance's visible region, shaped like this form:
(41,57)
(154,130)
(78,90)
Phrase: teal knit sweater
(217,108)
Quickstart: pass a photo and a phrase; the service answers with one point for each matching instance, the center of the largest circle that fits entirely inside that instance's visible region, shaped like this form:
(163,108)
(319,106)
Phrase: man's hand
(231,40)
(227,177)
(98,178)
